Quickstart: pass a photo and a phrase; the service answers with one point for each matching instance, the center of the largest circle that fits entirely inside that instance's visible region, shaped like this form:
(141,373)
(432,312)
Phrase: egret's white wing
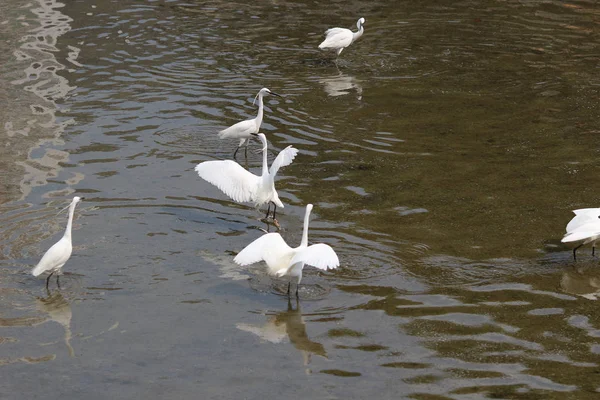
(284,158)
(269,246)
(242,129)
(55,257)
(318,255)
(231,178)
(337,38)
(585,231)
(582,217)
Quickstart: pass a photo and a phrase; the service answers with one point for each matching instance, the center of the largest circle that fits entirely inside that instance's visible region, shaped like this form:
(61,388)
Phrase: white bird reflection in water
(340,85)
(582,281)
(284,326)
(59,310)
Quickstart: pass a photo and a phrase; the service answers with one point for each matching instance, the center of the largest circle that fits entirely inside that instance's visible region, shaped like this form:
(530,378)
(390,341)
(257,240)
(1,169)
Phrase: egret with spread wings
(283,260)
(243,186)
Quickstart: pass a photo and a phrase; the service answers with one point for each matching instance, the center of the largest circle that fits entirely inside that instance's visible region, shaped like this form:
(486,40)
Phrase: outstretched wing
(270,247)
(336,38)
(318,255)
(231,178)
(582,217)
(284,158)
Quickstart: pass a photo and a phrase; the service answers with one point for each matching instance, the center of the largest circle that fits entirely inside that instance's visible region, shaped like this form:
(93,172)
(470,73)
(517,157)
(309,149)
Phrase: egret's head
(262,138)
(264,92)
(360,22)
(309,208)
(77,199)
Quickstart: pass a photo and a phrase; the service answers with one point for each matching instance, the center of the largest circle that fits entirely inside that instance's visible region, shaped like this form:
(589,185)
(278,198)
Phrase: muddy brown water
(443,153)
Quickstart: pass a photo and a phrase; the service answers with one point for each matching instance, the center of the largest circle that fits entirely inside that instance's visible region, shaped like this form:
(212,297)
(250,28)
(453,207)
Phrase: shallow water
(443,155)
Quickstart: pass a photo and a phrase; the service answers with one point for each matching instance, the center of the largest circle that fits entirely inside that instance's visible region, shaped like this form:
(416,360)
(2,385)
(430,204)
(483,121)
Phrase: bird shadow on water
(58,309)
(284,326)
(582,280)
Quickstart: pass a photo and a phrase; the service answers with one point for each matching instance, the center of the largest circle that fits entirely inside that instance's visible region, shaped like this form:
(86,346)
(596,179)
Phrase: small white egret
(59,253)
(337,39)
(282,260)
(584,228)
(243,130)
(242,185)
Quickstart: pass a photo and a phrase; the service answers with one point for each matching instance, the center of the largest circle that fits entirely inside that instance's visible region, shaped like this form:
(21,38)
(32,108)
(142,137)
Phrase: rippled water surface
(443,153)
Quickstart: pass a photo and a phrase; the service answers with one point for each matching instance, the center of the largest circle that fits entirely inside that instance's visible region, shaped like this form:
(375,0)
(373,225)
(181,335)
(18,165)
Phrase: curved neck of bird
(259,117)
(265,165)
(357,34)
(304,242)
(70,221)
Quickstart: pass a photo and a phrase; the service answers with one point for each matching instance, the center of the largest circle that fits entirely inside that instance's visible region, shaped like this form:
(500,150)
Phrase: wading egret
(241,185)
(243,130)
(584,228)
(59,253)
(337,39)
(282,260)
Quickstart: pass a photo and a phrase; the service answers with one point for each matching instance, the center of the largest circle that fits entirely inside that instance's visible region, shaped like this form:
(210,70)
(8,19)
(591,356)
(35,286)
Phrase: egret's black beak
(275,94)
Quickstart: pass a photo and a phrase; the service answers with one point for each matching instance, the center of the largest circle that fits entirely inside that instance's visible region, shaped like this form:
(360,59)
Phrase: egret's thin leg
(575,250)
(268,211)
(48,279)
(274,209)
(235,152)
(288,292)
(57,281)
(297,295)
(593,250)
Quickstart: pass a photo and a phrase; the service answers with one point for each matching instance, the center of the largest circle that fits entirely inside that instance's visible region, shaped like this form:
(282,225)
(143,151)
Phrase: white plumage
(243,130)
(283,260)
(337,39)
(60,252)
(584,228)
(242,185)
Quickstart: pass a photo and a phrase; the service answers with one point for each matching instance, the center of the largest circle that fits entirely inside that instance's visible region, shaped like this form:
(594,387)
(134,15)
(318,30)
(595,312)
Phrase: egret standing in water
(243,130)
(584,228)
(282,260)
(337,39)
(241,185)
(59,253)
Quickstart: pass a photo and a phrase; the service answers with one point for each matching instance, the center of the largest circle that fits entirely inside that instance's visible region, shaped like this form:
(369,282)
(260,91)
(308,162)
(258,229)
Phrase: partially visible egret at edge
(243,130)
(584,228)
(57,255)
(243,186)
(337,39)
(283,260)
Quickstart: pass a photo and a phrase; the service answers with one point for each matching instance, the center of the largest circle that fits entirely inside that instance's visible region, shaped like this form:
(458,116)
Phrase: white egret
(242,185)
(59,253)
(584,228)
(243,130)
(337,39)
(282,260)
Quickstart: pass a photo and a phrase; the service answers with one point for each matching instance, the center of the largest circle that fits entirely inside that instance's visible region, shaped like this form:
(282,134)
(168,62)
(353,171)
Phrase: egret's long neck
(265,165)
(70,221)
(358,33)
(259,117)
(304,242)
